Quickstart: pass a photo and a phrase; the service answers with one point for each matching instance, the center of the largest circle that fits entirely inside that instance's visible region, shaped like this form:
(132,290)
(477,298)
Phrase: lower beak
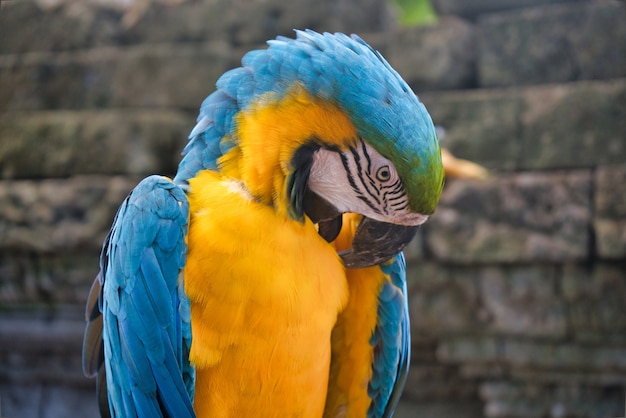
(376,242)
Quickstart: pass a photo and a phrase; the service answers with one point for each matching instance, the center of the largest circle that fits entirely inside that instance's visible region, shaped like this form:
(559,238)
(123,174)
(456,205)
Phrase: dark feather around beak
(376,242)
(323,214)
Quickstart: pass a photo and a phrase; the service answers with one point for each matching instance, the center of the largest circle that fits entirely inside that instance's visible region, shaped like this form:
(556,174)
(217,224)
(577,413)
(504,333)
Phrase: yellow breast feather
(265,292)
(352,354)
(271,129)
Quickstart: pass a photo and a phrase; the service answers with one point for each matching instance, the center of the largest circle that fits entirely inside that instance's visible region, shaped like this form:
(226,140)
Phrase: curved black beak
(376,242)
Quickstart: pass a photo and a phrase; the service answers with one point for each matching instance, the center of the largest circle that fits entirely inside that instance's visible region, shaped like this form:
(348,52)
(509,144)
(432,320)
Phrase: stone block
(595,301)
(569,125)
(199,21)
(46,279)
(574,125)
(133,142)
(20,401)
(250,23)
(480,125)
(475,8)
(517,399)
(62,402)
(74,25)
(67,143)
(530,354)
(441,299)
(471,349)
(438,382)
(435,57)
(459,408)
(563,377)
(29,331)
(525,217)
(269,18)
(59,215)
(522,301)
(359,16)
(56,28)
(610,211)
(553,44)
(157,75)
(40,370)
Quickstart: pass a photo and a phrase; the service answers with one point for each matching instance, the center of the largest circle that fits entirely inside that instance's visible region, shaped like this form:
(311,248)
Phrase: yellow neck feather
(268,133)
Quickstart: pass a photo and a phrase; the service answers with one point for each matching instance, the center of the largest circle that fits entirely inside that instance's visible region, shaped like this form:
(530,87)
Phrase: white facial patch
(361,180)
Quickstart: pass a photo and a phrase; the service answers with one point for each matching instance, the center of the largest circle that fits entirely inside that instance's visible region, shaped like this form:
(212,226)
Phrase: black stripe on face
(366,155)
(394,189)
(360,173)
(403,204)
(398,200)
(392,195)
(346,165)
(395,198)
(373,182)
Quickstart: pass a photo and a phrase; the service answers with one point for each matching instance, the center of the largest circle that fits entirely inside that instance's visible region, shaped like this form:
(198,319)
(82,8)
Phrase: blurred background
(518,282)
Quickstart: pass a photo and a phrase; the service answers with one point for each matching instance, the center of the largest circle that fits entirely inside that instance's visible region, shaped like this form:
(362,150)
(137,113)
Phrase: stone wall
(518,282)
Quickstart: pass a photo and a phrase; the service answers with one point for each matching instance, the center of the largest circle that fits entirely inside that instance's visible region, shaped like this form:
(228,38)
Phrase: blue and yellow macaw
(266,279)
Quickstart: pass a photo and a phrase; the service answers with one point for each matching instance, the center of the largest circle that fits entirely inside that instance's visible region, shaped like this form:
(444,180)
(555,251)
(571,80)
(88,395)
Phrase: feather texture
(391,340)
(339,70)
(225,252)
(265,292)
(371,340)
(143,327)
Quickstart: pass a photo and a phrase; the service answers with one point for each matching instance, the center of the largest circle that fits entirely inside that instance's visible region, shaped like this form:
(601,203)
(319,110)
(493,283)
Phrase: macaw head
(319,126)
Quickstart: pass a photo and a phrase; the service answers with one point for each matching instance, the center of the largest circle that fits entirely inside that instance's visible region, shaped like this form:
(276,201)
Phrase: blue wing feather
(391,341)
(146,329)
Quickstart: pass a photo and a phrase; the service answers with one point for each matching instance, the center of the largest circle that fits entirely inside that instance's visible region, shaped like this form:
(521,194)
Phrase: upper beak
(374,241)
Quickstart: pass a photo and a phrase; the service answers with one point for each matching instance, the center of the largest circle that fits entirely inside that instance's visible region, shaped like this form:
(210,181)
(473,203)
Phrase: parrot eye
(383,173)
